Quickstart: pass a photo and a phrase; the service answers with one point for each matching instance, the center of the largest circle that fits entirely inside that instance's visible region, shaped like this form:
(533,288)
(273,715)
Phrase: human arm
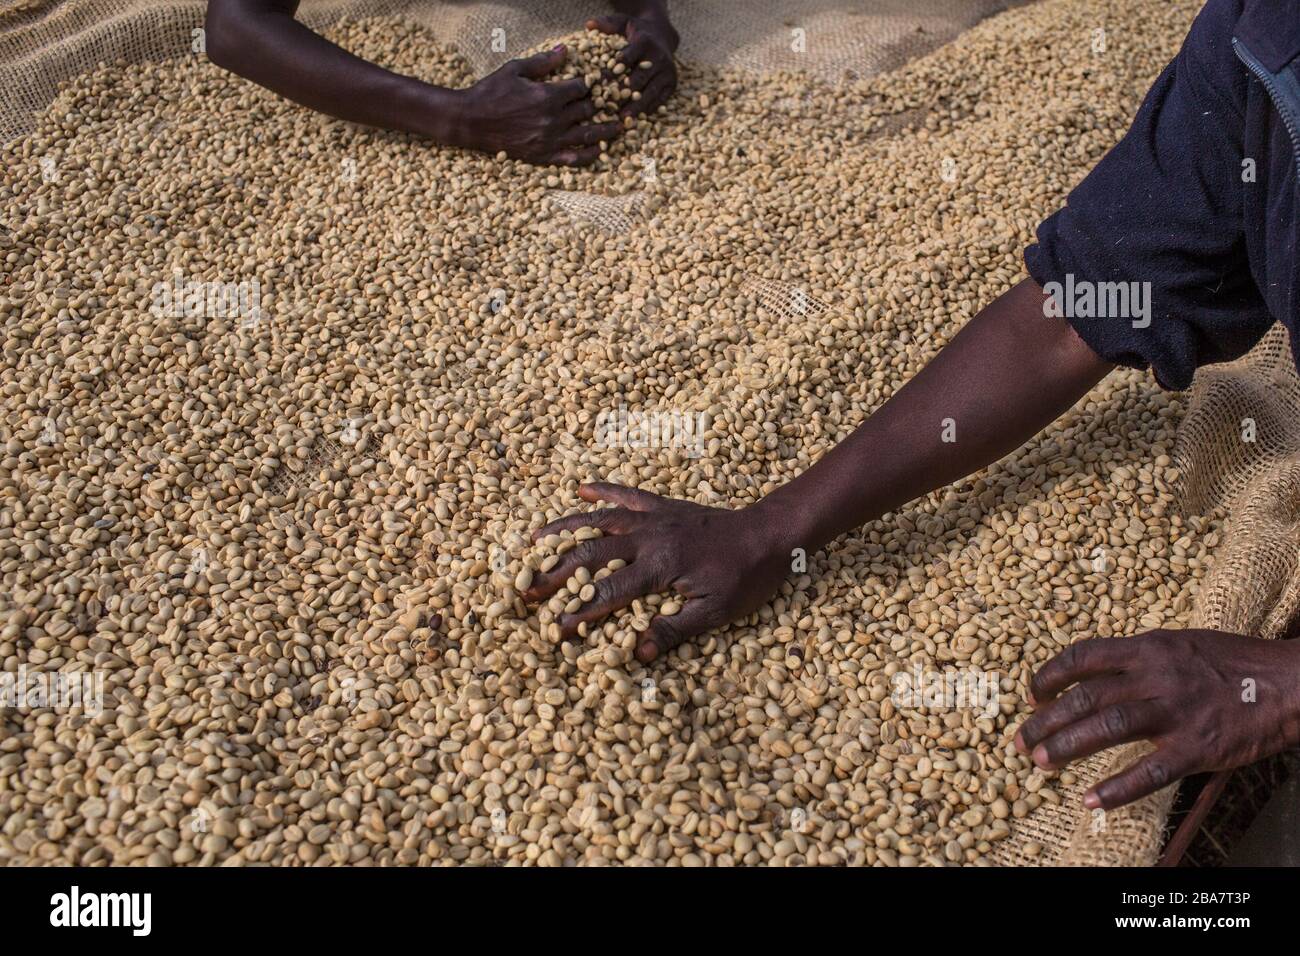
(1010,372)
(510,110)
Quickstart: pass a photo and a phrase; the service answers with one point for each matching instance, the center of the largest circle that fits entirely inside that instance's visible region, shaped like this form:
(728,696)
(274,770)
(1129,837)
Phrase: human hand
(724,563)
(651,40)
(1208,700)
(513,111)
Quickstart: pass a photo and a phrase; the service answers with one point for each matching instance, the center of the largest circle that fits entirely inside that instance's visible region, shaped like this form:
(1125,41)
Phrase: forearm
(261,40)
(1005,376)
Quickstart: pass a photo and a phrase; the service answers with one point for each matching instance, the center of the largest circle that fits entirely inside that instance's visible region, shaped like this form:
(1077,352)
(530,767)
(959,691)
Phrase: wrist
(666,31)
(655,14)
(784,522)
(433,112)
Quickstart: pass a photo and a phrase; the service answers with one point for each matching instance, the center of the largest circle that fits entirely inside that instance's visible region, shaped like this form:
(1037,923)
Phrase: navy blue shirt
(1195,207)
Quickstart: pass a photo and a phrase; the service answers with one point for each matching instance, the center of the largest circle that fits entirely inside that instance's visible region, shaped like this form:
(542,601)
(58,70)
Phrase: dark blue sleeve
(1164,207)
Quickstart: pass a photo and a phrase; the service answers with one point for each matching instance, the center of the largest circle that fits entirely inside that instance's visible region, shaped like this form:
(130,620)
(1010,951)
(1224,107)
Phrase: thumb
(614,23)
(540,65)
(667,631)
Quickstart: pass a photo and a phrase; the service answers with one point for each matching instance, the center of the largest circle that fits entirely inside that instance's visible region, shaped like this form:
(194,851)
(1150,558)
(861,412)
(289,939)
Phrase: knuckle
(585,554)
(1076,655)
(1156,774)
(1029,730)
(670,635)
(1116,722)
(1055,671)
(605,592)
(1082,701)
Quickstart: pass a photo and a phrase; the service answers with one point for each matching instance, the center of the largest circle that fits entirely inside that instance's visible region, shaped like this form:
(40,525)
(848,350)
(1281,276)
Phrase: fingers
(593,555)
(1076,704)
(634,499)
(578,112)
(540,65)
(575,157)
(613,23)
(666,632)
(638,48)
(1078,662)
(642,75)
(639,51)
(1153,772)
(657,92)
(654,95)
(616,591)
(570,91)
(607,520)
(1112,725)
(589,135)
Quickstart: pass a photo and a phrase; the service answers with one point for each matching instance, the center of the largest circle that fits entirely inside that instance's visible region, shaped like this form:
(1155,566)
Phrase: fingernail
(1091,800)
(559,48)
(647,651)
(1020,742)
(1040,756)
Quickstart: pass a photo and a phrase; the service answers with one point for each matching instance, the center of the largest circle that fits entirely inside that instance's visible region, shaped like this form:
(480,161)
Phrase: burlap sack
(1238,452)
(1252,587)
(44,43)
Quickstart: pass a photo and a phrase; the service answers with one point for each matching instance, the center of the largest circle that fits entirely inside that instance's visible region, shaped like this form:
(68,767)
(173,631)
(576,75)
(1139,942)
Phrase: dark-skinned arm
(1207,700)
(1010,372)
(1006,376)
(511,110)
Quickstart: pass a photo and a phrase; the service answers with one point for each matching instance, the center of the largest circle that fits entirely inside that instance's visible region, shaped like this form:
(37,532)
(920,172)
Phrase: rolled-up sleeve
(1161,214)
